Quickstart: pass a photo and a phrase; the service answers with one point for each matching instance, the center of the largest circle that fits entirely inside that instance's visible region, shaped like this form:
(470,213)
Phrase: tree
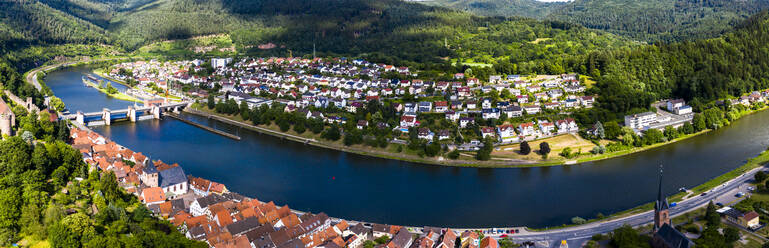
(244,110)
(731,234)
(713,118)
(211,102)
(671,133)
(525,148)
(760,176)
(109,186)
(599,131)
(332,133)
(711,216)
(653,136)
(57,104)
(60,176)
(544,149)
(10,203)
(626,236)
(699,123)
(687,128)
(40,159)
(612,130)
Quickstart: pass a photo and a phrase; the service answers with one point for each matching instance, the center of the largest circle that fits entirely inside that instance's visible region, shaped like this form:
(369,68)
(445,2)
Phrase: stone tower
(7,119)
(661,208)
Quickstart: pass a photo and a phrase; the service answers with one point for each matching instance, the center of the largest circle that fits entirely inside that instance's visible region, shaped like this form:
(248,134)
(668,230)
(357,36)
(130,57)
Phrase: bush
(566,152)
(454,154)
(578,220)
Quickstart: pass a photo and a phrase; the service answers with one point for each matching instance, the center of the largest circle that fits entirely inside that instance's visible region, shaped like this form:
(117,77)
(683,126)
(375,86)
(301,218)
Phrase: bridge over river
(131,113)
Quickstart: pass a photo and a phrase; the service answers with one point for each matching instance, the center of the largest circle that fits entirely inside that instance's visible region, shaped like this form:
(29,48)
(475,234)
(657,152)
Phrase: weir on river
(364,188)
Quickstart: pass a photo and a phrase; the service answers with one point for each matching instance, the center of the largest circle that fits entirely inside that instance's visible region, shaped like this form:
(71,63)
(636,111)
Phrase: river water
(387,191)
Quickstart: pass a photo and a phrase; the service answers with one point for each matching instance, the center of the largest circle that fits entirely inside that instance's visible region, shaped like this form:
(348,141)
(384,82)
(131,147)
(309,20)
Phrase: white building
(640,121)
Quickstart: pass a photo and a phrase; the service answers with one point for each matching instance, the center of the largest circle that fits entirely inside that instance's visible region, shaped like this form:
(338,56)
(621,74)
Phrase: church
(665,236)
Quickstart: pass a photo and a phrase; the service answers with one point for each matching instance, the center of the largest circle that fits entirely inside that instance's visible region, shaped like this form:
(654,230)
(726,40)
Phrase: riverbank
(358,149)
(119,95)
(389,153)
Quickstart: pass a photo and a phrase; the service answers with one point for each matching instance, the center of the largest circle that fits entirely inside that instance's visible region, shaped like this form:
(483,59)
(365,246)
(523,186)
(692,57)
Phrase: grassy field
(557,144)
(212,45)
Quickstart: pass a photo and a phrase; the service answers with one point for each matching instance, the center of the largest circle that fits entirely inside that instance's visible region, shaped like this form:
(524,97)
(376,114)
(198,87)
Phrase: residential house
(531,109)
(402,239)
(153,195)
(425,134)
(444,134)
(487,132)
(408,121)
(490,113)
(526,129)
(507,134)
(546,127)
(567,125)
(441,106)
(749,220)
(465,122)
(513,111)
(452,116)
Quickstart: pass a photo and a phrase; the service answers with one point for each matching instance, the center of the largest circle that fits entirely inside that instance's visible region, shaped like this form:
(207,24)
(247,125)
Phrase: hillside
(646,20)
(389,31)
(698,71)
(660,20)
(525,8)
(29,22)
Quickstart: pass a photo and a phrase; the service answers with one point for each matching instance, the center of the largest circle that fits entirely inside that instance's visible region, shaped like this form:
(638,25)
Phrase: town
(380,104)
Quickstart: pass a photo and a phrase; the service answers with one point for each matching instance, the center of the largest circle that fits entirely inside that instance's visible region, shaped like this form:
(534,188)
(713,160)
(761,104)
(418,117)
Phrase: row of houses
(207,211)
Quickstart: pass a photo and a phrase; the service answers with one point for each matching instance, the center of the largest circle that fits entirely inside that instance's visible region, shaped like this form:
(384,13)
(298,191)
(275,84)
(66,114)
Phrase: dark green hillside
(700,71)
(31,22)
(525,8)
(645,20)
(389,31)
(660,20)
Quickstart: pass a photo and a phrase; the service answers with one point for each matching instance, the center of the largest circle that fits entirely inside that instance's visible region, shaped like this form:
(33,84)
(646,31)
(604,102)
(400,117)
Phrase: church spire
(661,215)
(662,201)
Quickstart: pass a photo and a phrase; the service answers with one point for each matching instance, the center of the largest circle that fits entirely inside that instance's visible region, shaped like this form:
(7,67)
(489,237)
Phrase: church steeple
(661,206)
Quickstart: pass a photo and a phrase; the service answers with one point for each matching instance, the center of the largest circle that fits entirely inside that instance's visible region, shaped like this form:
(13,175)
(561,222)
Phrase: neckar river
(387,191)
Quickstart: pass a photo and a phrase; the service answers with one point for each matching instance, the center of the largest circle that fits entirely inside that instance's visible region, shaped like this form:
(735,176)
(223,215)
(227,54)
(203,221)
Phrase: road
(584,232)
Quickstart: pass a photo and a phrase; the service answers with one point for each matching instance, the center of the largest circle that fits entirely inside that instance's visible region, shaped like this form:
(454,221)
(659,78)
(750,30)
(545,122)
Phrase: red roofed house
(153,195)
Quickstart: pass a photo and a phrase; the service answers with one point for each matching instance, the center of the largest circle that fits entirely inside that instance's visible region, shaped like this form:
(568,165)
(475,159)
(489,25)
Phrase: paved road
(586,231)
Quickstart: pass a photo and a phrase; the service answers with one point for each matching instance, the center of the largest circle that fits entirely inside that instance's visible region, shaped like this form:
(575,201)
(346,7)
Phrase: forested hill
(699,71)
(31,22)
(645,20)
(660,20)
(525,8)
(388,31)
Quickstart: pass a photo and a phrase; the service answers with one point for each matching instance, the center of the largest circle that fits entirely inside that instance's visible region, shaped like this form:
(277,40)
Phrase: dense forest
(699,71)
(526,8)
(660,20)
(648,20)
(31,22)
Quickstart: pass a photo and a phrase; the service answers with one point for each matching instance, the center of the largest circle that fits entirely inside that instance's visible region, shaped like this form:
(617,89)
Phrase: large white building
(640,121)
